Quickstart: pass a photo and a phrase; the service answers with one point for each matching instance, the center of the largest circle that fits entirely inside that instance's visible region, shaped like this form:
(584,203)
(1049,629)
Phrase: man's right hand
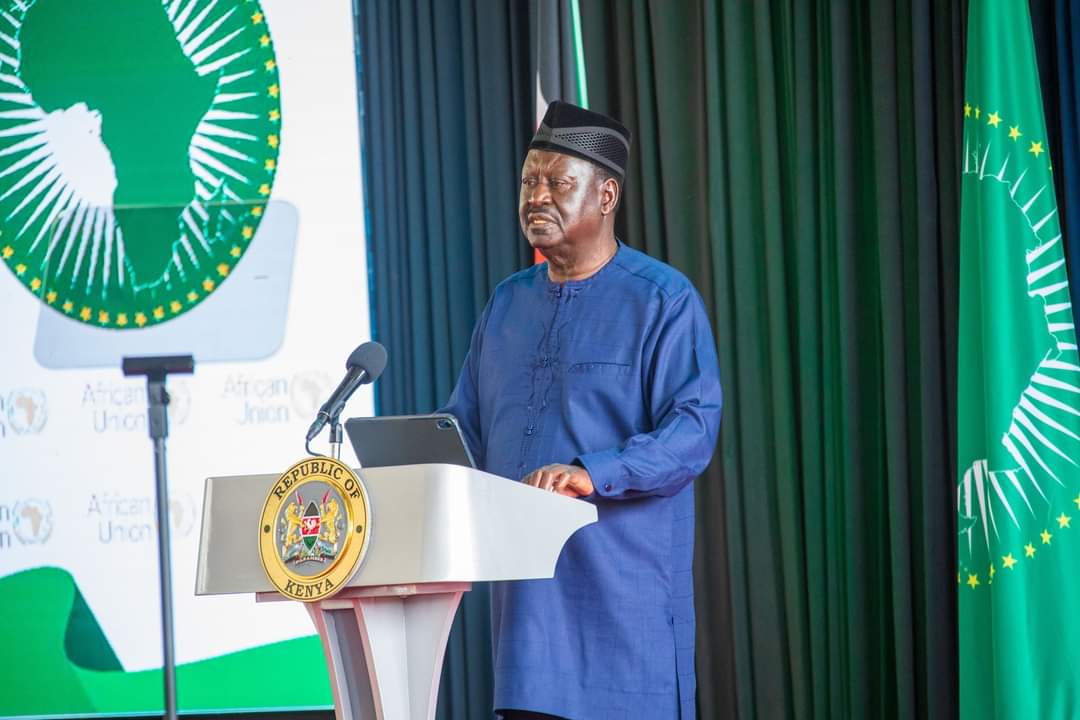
(569,480)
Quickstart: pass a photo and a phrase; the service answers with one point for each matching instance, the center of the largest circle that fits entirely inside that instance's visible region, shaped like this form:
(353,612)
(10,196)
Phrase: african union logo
(314,529)
(138,147)
(307,391)
(26,410)
(32,521)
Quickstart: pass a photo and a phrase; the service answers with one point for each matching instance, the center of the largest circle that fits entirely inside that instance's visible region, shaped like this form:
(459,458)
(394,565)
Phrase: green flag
(1018,490)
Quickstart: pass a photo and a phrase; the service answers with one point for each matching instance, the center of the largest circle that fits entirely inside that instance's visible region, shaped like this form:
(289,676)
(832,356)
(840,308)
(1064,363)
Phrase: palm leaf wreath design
(1034,439)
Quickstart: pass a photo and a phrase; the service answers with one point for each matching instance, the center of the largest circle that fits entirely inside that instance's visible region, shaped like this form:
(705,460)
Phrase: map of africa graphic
(138,146)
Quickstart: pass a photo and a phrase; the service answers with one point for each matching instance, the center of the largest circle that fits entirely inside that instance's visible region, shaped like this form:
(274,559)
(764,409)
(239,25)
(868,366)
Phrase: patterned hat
(573,130)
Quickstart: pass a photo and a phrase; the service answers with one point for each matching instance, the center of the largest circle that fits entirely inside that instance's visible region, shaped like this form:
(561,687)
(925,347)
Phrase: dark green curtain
(799,161)
(446,111)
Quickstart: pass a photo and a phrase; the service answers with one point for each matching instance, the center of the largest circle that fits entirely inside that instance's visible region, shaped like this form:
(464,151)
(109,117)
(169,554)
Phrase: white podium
(433,531)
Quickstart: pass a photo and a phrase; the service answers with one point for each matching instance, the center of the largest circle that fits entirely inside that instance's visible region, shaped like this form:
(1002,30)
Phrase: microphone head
(370,357)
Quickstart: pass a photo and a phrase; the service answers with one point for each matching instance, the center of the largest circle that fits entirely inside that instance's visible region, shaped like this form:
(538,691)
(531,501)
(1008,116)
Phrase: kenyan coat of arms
(310,533)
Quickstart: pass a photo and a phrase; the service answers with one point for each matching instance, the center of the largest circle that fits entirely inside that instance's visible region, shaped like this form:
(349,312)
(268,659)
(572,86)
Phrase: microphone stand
(335,438)
(156,369)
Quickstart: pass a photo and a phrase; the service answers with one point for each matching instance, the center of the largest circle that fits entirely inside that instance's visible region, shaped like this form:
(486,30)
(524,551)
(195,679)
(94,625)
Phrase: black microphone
(364,365)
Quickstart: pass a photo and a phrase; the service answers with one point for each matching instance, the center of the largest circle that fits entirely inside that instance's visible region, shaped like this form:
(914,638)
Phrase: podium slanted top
(429,523)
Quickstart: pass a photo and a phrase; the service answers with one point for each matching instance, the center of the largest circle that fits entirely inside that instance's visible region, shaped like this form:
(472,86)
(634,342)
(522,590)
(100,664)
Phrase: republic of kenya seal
(139,144)
(314,529)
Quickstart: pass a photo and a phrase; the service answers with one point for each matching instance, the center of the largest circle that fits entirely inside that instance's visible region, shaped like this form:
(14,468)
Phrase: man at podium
(594,375)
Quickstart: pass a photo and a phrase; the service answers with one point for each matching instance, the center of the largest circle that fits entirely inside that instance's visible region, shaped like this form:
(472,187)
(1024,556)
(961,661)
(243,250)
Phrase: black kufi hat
(585,134)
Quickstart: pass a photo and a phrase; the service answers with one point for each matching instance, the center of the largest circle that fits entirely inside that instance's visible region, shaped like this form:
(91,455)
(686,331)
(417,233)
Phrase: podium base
(384,647)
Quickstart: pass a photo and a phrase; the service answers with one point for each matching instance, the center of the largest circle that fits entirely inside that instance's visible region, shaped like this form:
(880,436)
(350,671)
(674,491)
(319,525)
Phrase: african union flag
(1018,493)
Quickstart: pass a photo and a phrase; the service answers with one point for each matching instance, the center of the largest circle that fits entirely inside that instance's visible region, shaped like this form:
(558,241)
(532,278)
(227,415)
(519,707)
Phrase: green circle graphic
(139,143)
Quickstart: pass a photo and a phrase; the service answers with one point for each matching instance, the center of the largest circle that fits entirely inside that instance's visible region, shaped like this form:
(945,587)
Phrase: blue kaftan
(617,372)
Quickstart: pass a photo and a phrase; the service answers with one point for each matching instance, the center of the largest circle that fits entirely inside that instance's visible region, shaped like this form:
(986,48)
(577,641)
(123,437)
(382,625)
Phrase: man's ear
(609,196)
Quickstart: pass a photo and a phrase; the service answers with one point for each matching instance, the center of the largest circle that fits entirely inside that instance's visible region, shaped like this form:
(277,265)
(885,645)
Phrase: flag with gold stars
(1018,485)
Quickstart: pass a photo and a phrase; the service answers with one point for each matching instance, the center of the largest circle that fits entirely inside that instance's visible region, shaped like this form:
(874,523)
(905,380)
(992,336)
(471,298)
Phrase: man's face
(560,203)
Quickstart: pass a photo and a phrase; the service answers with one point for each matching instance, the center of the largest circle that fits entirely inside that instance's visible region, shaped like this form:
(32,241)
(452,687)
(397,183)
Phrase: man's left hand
(569,480)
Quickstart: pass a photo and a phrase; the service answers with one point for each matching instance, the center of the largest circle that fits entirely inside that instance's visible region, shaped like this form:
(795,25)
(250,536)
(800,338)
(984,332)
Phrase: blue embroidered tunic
(617,373)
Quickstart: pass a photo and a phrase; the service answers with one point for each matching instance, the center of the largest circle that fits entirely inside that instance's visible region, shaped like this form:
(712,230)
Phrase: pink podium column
(384,647)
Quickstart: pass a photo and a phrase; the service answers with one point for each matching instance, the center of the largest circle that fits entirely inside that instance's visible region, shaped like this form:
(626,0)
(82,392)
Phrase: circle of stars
(1030,549)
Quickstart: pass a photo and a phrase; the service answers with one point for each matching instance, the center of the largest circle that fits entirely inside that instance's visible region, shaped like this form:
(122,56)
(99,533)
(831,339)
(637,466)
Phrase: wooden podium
(434,530)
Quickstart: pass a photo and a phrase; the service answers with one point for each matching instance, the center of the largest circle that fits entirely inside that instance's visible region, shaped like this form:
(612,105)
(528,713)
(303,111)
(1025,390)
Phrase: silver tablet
(408,440)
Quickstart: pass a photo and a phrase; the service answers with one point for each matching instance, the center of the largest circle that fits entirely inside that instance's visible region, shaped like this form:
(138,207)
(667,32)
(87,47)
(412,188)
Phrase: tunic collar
(573,287)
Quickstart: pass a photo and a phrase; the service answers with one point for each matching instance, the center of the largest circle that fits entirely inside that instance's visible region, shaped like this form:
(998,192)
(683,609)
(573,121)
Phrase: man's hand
(568,480)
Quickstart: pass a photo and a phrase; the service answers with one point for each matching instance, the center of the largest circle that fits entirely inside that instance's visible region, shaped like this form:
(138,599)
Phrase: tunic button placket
(543,375)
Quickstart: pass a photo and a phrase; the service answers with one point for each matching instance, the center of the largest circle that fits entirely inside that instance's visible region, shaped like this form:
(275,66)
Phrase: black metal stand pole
(159,430)
(156,369)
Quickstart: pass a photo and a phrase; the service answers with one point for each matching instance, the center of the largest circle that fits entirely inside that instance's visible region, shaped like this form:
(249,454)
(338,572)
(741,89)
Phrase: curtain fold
(800,162)
(446,98)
